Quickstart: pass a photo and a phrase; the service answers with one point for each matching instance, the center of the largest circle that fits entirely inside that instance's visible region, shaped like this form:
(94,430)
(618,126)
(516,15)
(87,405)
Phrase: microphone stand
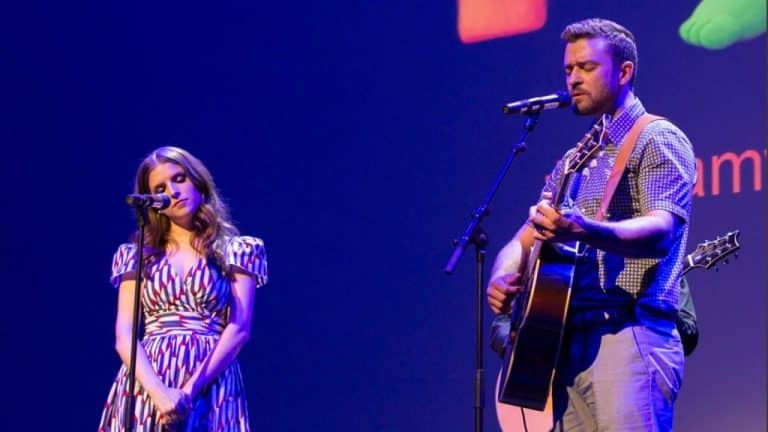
(141,218)
(475,234)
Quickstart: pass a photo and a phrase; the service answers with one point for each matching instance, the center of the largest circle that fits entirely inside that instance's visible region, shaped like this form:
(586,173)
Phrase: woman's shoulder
(242,243)
(128,247)
(248,254)
(123,262)
(125,252)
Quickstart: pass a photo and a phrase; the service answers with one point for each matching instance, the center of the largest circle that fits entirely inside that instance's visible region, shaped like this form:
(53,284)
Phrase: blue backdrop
(354,138)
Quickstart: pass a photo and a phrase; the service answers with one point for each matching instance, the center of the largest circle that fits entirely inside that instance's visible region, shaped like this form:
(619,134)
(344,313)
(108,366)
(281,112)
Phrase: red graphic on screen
(481,20)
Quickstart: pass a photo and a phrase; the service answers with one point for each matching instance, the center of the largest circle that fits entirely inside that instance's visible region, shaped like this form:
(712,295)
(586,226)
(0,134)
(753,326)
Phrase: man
(621,363)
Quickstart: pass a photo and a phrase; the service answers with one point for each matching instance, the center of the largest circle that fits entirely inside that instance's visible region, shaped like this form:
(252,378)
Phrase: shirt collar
(618,128)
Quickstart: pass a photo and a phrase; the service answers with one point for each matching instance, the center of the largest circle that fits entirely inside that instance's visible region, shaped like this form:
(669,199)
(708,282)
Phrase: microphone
(156,201)
(560,99)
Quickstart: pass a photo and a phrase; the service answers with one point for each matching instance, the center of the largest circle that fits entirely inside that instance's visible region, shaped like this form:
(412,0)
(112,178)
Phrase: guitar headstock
(586,148)
(710,253)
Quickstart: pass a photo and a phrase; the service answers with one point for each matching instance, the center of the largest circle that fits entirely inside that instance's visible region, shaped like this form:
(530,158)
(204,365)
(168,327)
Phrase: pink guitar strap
(621,161)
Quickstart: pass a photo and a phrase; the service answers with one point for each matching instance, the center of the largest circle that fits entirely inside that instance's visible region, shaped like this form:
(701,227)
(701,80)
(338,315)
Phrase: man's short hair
(621,40)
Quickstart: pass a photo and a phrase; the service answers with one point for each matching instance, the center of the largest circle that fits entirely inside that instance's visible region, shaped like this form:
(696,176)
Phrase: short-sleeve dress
(183,319)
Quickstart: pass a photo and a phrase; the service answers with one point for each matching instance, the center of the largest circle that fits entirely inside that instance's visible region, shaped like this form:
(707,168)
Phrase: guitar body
(539,312)
(529,366)
(518,419)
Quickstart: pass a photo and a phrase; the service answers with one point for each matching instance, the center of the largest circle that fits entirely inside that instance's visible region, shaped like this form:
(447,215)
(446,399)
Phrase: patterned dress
(183,319)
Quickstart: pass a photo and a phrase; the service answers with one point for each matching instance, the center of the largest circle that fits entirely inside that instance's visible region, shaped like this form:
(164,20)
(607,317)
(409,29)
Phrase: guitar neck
(562,190)
(686,266)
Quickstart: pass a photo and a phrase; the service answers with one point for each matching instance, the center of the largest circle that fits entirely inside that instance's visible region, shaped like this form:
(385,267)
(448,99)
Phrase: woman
(197,298)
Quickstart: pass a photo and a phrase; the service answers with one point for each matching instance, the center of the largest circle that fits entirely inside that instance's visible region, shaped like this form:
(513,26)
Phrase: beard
(591,106)
(584,110)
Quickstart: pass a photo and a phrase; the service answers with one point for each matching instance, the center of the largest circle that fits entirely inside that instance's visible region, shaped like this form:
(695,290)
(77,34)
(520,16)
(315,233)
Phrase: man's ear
(626,72)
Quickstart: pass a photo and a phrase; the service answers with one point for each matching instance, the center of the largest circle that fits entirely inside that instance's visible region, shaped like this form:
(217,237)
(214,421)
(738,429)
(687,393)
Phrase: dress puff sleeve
(248,254)
(123,262)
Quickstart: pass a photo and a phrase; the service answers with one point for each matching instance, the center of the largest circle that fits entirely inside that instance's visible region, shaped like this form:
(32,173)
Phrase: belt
(183,322)
(598,317)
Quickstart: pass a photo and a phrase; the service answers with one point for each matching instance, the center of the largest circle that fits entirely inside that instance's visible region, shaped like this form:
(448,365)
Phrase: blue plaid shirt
(660,175)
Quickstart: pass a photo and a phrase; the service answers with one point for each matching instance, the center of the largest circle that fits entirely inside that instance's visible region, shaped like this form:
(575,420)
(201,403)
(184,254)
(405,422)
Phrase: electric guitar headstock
(709,253)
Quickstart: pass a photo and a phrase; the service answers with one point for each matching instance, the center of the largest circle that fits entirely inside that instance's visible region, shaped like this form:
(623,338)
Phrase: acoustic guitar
(539,310)
(516,419)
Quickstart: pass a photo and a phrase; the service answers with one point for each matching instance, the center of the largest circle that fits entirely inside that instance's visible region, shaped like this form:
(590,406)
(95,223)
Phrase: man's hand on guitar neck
(501,290)
(552,225)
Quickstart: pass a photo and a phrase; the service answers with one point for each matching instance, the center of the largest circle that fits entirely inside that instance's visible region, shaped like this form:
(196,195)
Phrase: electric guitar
(539,310)
(515,418)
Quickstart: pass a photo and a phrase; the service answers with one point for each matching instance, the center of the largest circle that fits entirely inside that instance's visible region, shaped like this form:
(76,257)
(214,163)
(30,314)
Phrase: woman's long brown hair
(212,226)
